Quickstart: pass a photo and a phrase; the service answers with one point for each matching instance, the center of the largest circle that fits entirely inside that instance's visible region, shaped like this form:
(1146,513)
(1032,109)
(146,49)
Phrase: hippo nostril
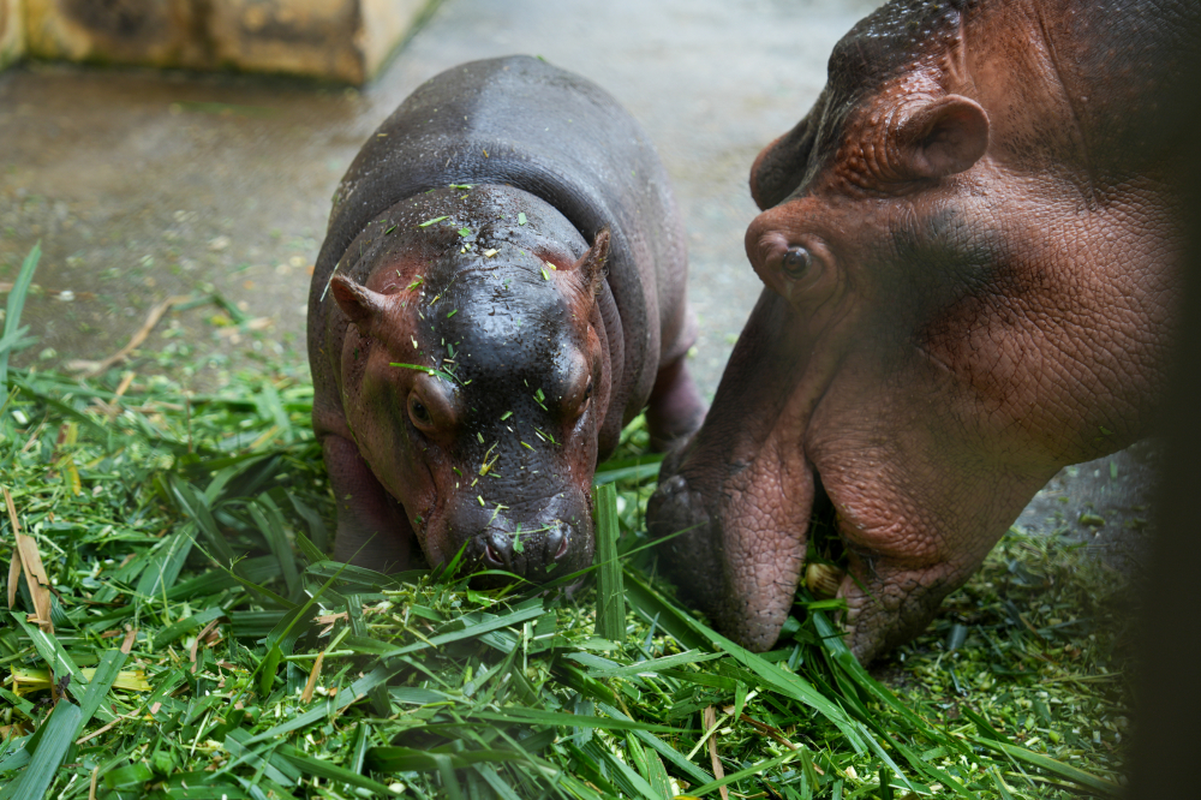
(494,553)
(557,540)
(675,485)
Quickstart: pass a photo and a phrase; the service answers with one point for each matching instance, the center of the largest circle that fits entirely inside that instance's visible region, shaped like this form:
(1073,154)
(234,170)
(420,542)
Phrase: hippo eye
(796,262)
(432,405)
(587,392)
(419,413)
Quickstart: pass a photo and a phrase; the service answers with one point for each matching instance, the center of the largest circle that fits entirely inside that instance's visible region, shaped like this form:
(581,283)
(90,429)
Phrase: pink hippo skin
(500,291)
(968,247)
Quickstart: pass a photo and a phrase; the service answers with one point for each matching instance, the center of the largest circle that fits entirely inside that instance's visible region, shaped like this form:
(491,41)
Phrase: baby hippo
(501,289)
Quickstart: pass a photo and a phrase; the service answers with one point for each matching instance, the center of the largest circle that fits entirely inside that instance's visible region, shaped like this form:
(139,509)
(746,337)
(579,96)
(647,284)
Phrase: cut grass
(185,543)
(204,647)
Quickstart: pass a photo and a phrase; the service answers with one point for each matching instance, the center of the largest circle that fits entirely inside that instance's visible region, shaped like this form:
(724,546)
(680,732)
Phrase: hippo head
(951,314)
(475,379)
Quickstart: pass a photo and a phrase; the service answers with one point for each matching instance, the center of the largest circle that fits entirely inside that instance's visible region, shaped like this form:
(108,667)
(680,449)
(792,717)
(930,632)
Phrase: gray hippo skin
(501,289)
(969,247)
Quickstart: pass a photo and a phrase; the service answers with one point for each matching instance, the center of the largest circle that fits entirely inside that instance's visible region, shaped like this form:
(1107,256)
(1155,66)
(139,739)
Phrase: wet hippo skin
(500,291)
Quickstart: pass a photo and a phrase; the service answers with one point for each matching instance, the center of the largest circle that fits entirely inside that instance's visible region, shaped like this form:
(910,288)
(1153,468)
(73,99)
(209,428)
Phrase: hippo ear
(357,302)
(944,137)
(779,169)
(592,265)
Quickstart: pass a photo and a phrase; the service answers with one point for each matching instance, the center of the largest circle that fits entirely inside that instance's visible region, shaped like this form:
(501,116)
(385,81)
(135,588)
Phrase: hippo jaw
(909,537)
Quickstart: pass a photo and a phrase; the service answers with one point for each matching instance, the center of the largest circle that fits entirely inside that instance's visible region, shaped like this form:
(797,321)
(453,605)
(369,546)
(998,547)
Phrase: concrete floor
(142,186)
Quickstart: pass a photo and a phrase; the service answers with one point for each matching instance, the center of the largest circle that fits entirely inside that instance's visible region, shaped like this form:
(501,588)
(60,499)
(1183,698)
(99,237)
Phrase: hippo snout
(676,515)
(538,554)
(674,509)
(503,550)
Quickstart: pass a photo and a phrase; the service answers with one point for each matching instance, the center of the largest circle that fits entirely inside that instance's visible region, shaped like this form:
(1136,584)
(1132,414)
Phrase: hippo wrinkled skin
(501,289)
(969,250)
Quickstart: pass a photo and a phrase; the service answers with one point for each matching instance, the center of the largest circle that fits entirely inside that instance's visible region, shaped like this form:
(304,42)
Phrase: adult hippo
(968,247)
(500,290)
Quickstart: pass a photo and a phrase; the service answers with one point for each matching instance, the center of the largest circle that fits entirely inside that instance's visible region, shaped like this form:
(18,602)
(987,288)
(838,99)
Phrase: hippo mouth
(825,555)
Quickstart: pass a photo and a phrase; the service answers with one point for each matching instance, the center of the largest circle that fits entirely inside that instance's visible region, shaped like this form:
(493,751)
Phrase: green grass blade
(12,313)
(323,769)
(649,766)
(408,759)
(662,613)
(356,691)
(473,629)
(755,769)
(983,728)
(1048,764)
(51,650)
(55,739)
(15,340)
(102,681)
(496,782)
(31,390)
(610,593)
(841,655)
(931,772)
(625,775)
(271,523)
(164,565)
(185,626)
(999,783)
(361,735)
(675,757)
(654,665)
(195,504)
(265,759)
(786,683)
(635,469)
(534,716)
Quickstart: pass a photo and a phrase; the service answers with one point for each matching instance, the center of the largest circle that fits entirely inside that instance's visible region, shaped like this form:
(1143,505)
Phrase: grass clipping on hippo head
(187,637)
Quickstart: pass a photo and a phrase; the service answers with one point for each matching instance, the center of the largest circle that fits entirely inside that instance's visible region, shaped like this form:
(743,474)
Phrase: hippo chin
(500,291)
(969,251)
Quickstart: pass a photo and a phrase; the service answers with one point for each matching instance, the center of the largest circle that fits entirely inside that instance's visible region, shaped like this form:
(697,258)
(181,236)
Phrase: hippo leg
(675,408)
(373,530)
